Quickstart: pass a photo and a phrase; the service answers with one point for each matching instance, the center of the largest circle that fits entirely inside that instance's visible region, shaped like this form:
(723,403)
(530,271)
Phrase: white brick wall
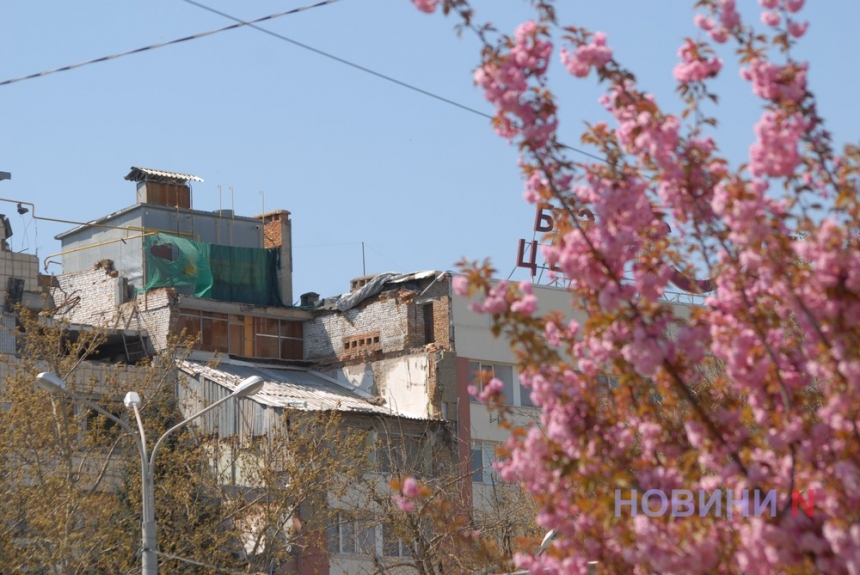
(90,296)
(95,292)
(388,316)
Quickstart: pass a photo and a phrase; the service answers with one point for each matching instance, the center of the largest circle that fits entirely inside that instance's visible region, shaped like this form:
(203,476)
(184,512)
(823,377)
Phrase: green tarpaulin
(225,273)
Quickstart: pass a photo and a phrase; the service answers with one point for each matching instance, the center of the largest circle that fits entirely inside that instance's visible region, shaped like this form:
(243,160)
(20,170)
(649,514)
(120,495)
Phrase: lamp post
(51,383)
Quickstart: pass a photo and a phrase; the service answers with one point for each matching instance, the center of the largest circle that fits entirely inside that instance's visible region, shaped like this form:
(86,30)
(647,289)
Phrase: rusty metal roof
(147,174)
(292,388)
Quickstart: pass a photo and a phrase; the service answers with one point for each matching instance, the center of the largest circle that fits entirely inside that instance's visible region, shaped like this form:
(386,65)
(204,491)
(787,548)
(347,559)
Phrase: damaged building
(396,351)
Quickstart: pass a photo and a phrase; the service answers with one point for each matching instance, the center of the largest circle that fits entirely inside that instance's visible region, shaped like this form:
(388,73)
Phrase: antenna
(363,270)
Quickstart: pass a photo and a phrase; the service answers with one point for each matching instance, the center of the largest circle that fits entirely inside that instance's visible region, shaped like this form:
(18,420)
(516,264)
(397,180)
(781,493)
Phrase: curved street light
(51,383)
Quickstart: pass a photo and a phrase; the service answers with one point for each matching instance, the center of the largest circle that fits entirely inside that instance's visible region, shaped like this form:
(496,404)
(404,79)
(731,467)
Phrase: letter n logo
(797,500)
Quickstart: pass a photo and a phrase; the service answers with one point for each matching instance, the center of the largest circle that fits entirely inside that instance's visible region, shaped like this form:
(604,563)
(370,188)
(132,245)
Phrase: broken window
(429,327)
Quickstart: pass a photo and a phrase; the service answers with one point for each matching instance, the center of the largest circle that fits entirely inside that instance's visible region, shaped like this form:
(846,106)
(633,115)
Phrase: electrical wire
(342,60)
(365,69)
(239,24)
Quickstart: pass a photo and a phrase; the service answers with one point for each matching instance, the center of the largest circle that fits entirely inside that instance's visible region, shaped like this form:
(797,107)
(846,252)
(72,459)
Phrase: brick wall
(393,321)
(385,318)
(89,297)
(436,296)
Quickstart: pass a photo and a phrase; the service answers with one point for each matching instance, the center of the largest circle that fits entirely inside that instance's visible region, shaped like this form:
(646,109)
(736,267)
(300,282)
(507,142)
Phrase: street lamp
(53,384)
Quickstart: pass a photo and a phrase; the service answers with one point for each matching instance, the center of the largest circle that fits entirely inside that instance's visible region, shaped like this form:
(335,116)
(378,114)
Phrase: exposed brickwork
(359,282)
(398,317)
(437,297)
(90,298)
(362,345)
(87,297)
(272,228)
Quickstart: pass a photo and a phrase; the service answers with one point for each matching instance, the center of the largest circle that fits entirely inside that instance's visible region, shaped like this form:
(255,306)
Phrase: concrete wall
(86,245)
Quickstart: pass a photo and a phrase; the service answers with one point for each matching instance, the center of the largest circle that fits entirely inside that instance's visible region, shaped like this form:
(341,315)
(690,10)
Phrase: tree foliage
(70,478)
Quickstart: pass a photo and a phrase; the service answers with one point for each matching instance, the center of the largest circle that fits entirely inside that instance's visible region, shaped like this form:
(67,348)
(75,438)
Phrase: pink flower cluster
(728,17)
(527,304)
(771,16)
(495,302)
(777,83)
(506,85)
(490,393)
(595,54)
(791,6)
(409,494)
(755,389)
(428,6)
(775,153)
(693,67)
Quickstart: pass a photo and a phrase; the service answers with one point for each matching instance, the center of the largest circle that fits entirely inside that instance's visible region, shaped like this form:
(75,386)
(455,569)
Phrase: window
(403,454)
(429,334)
(484,372)
(243,335)
(392,545)
(214,332)
(515,393)
(526,396)
(483,456)
(351,537)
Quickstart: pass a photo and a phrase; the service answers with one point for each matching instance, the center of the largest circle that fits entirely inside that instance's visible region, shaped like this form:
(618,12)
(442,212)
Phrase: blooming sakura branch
(758,385)
(728,503)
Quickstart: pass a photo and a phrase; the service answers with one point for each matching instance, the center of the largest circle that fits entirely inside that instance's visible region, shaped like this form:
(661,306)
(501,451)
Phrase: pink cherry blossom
(428,6)
(771,18)
(460,285)
(756,386)
(704,22)
(794,5)
(797,29)
(527,304)
(410,488)
(596,54)
(693,67)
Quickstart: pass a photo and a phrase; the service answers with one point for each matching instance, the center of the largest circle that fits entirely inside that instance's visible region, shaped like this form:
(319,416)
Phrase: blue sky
(354,158)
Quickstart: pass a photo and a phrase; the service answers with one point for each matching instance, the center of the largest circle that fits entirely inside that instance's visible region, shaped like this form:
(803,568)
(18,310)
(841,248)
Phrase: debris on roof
(377,284)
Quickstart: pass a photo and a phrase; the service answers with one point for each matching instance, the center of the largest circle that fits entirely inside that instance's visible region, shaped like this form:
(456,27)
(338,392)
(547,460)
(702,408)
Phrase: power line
(253,24)
(239,24)
(364,69)
(342,60)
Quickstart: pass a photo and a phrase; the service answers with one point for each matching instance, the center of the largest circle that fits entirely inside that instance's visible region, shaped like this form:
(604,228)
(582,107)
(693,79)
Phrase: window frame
(354,536)
(489,475)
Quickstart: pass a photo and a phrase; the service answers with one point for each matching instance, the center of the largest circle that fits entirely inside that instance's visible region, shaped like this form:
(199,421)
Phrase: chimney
(359,282)
(310,299)
(158,187)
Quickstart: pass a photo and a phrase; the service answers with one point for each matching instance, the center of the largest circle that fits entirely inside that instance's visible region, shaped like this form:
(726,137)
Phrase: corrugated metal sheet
(140,174)
(290,388)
